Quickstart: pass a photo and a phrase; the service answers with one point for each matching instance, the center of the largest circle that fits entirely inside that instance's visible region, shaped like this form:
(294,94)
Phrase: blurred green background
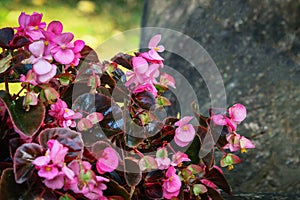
(93,21)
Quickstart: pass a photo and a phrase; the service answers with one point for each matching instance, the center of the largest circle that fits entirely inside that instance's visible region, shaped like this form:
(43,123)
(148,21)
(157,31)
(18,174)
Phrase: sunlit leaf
(26,123)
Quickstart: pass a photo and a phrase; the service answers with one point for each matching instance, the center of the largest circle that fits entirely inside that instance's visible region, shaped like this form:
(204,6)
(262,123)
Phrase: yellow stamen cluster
(230,167)
(243,150)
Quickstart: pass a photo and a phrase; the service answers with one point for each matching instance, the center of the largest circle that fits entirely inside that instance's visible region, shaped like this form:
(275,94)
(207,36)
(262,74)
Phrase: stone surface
(256,47)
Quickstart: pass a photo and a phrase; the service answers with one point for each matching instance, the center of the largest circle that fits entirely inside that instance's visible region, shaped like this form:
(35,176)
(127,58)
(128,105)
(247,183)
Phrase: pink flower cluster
(63,115)
(236,114)
(78,175)
(146,69)
(185,132)
(47,44)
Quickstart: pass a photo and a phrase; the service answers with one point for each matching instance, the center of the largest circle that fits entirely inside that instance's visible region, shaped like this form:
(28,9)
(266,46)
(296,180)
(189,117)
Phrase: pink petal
(95,117)
(108,162)
(140,65)
(84,124)
(68,172)
(46,77)
(35,19)
(42,67)
(64,56)
(48,172)
(154,55)
(55,183)
(41,161)
(64,38)
(78,46)
(180,143)
(24,19)
(55,27)
(237,112)
(161,48)
(219,119)
(37,48)
(154,41)
(184,121)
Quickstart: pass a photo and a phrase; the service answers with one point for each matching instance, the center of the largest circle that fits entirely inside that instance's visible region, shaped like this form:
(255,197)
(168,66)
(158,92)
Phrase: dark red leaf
(23,158)
(123,60)
(19,41)
(154,176)
(6,35)
(217,177)
(116,189)
(154,191)
(23,126)
(88,54)
(144,100)
(193,150)
(67,137)
(132,172)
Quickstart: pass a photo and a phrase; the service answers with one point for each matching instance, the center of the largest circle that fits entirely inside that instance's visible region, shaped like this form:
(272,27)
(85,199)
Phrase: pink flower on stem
(63,51)
(108,161)
(40,62)
(31,25)
(163,162)
(64,116)
(172,184)
(178,158)
(237,142)
(236,114)
(185,132)
(78,46)
(142,72)
(146,87)
(85,181)
(154,47)
(52,167)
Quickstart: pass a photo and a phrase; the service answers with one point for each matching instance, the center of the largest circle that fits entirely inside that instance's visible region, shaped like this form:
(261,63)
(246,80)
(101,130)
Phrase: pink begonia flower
(172,185)
(237,112)
(52,166)
(85,181)
(78,46)
(108,161)
(178,158)
(146,87)
(237,142)
(31,25)
(166,79)
(63,51)
(30,77)
(163,162)
(40,62)
(185,132)
(64,116)
(89,121)
(154,47)
(142,72)
(95,117)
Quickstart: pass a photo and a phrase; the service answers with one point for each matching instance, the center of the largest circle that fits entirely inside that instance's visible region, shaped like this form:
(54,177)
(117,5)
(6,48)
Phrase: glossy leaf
(132,172)
(116,189)
(6,35)
(113,117)
(123,60)
(88,54)
(26,123)
(193,150)
(154,176)
(217,177)
(23,158)
(67,137)
(19,42)
(154,191)
(11,190)
(144,100)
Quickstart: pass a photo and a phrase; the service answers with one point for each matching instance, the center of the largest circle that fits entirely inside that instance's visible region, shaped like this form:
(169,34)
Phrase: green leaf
(23,158)
(67,137)
(199,189)
(26,123)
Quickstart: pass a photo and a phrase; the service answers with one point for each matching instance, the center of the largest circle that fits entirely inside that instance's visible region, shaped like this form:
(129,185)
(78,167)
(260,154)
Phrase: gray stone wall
(256,47)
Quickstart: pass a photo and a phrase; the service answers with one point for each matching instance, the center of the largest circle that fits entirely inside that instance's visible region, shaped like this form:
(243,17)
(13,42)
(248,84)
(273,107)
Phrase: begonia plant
(81,128)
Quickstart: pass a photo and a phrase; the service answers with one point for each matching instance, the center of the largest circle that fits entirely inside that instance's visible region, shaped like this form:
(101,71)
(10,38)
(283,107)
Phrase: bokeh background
(92,21)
